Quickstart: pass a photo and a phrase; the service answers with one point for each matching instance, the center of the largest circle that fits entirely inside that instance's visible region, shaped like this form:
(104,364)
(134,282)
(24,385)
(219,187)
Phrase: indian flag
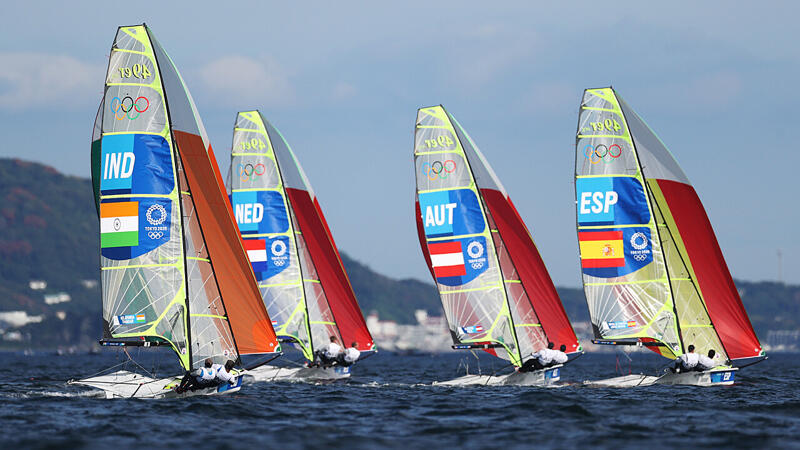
(601,249)
(119,224)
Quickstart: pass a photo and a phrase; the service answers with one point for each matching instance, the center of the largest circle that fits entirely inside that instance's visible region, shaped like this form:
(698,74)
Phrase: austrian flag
(447,259)
(257,253)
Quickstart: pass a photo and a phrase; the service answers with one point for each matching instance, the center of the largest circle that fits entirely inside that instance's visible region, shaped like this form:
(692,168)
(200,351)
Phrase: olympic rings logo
(602,153)
(155,235)
(123,108)
(438,169)
(247,172)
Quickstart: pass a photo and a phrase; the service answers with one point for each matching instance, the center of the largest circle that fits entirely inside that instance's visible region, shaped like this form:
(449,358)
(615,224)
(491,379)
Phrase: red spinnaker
(531,269)
(330,270)
(722,300)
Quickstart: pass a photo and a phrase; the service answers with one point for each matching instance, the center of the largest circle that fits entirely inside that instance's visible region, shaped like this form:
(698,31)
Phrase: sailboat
(653,272)
(299,271)
(495,289)
(174,271)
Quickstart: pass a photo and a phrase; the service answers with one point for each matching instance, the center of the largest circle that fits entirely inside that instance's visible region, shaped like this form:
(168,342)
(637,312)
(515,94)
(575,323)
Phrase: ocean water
(390,403)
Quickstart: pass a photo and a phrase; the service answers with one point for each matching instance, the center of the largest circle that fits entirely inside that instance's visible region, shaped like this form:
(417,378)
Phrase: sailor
(350,355)
(540,359)
(560,355)
(328,354)
(201,377)
(706,362)
(223,373)
(686,361)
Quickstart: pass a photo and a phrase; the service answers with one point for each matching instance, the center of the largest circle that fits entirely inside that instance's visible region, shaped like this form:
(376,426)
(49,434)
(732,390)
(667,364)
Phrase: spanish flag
(601,249)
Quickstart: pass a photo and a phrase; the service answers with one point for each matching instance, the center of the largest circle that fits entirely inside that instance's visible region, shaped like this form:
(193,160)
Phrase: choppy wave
(391,402)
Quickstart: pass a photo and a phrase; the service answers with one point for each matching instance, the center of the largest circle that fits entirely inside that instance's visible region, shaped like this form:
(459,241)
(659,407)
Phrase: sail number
(441,141)
(253,144)
(137,70)
(609,124)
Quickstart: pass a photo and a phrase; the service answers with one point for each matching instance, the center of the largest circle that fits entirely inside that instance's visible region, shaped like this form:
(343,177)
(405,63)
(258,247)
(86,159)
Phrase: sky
(343,81)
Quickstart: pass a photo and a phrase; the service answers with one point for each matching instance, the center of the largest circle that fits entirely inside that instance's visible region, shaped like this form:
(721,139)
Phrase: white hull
(714,377)
(543,377)
(626,381)
(124,384)
(273,373)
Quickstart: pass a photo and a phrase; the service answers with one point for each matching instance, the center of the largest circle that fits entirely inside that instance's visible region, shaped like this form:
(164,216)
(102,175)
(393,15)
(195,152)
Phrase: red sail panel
(531,270)
(247,315)
(423,242)
(330,270)
(722,300)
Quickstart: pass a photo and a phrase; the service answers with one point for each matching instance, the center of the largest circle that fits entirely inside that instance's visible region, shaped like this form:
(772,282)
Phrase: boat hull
(124,384)
(273,373)
(713,377)
(625,381)
(543,377)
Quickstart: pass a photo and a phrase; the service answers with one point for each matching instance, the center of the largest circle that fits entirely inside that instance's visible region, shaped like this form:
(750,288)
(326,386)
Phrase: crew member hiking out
(199,378)
(686,361)
(328,354)
(706,362)
(539,360)
(560,355)
(223,373)
(350,355)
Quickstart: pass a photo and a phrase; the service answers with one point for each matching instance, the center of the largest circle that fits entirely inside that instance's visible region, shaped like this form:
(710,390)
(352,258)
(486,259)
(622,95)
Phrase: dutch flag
(257,253)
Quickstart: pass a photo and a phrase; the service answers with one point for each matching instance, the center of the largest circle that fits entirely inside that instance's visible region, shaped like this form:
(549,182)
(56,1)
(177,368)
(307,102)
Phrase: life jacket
(206,374)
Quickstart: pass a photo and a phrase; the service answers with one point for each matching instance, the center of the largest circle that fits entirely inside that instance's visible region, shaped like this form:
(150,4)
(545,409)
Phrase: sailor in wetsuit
(200,378)
(327,356)
(350,355)
(223,373)
(686,362)
(560,355)
(540,359)
(706,362)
